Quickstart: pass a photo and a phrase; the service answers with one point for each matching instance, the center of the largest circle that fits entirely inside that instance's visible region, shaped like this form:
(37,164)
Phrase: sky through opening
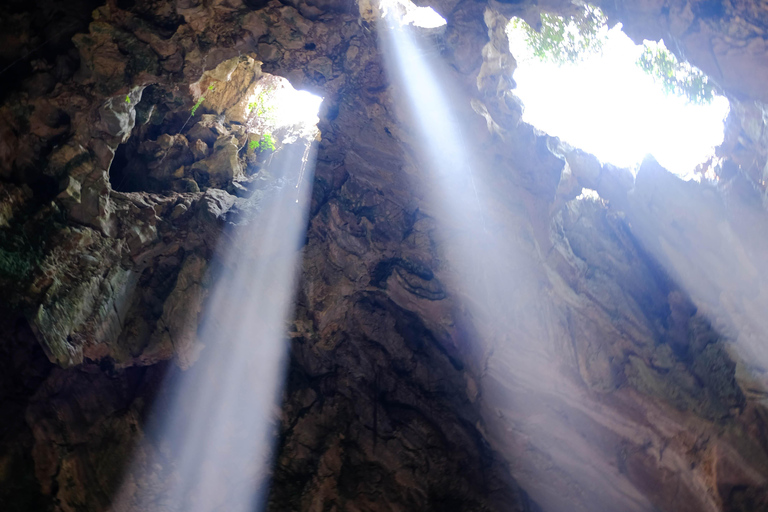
(405,12)
(607,106)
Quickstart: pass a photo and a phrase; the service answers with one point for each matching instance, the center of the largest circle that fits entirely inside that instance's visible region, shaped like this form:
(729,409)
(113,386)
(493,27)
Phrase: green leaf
(267,142)
(197,105)
(566,40)
(675,77)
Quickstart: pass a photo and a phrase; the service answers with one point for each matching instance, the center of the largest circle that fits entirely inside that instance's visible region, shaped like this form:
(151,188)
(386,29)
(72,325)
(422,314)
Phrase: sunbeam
(211,436)
(495,256)
(518,336)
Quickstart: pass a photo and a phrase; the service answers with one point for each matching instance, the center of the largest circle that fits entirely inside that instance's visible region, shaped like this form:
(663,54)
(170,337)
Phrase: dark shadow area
(23,369)
(36,49)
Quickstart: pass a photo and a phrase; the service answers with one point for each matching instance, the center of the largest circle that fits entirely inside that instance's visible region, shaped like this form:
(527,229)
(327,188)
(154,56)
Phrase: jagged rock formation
(596,382)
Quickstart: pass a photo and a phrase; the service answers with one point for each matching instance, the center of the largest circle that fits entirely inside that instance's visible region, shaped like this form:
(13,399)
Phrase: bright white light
(283,107)
(609,107)
(588,194)
(296,107)
(405,12)
(424,17)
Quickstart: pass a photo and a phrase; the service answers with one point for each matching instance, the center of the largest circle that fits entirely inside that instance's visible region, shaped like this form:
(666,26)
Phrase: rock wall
(580,371)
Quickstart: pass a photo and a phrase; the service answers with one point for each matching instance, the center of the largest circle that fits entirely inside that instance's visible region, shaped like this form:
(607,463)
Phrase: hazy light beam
(495,276)
(215,442)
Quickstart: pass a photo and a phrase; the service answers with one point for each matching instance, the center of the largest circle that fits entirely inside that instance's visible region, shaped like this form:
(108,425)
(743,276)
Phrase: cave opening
(487,319)
(222,133)
(592,86)
(405,12)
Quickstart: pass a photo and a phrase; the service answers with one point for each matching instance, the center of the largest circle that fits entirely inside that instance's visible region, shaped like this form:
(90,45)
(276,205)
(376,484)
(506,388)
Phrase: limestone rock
(222,167)
(118,115)
(587,364)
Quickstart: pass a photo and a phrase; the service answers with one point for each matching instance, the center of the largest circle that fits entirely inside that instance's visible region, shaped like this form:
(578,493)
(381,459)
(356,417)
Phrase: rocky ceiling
(617,367)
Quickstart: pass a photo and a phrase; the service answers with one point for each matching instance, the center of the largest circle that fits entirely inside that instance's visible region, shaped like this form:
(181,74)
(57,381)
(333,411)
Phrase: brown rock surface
(575,357)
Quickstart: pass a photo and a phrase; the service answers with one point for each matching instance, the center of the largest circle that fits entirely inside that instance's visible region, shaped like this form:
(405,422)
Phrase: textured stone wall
(581,372)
